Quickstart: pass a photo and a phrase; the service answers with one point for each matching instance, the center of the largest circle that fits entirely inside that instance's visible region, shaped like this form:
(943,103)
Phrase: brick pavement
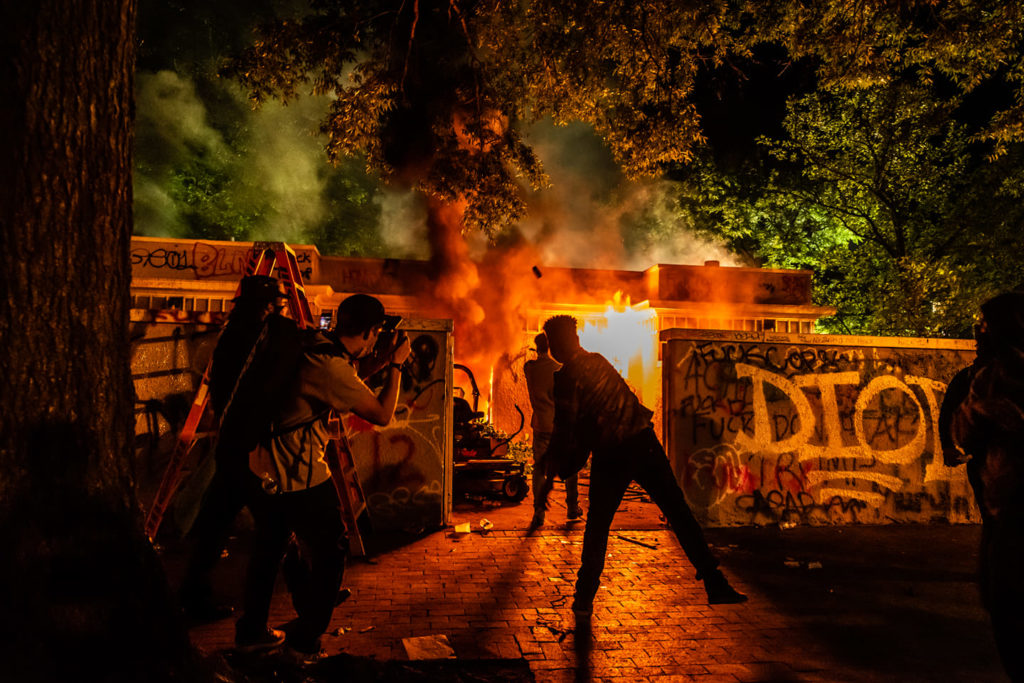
(504,594)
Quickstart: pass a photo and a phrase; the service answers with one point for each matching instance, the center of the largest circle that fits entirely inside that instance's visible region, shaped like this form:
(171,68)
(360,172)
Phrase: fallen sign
(633,540)
(428,647)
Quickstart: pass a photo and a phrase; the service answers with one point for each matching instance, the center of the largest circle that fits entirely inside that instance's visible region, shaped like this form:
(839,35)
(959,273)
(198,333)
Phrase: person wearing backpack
(254,363)
(298,495)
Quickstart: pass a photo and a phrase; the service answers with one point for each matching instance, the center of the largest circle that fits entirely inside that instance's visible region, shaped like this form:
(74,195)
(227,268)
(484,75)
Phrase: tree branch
(412,37)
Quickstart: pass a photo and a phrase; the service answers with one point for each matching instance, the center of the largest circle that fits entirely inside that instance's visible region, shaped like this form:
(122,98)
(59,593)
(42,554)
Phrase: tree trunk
(82,593)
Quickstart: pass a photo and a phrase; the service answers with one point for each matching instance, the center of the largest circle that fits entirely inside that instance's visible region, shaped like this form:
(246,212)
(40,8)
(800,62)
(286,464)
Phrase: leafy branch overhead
(437,94)
(877,143)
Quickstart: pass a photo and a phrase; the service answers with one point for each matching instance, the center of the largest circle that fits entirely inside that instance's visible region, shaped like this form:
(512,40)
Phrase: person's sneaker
(302,658)
(537,521)
(268,639)
(719,591)
(574,513)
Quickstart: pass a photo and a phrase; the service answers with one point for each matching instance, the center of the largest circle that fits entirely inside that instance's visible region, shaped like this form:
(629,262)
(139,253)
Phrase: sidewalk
(886,604)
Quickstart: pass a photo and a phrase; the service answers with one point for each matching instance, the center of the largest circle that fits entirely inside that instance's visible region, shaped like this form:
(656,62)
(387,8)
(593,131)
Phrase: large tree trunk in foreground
(82,594)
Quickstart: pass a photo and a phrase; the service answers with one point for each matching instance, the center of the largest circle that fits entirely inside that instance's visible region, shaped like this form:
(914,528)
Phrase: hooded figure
(989,426)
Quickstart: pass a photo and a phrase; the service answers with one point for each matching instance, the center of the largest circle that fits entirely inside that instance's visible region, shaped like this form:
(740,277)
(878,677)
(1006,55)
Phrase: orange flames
(490,301)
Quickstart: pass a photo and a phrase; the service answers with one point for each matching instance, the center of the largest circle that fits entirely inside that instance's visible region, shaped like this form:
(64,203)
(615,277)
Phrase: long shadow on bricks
(883,602)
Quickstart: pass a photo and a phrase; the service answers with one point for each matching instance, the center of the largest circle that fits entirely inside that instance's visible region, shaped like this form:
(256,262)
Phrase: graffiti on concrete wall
(200,260)
(797,432)
(401,467)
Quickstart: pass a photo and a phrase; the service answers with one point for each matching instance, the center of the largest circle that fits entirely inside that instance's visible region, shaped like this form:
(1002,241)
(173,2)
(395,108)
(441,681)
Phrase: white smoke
(403,224)
(171,124)
(581,219)
(279,177)
(288,164)
(277,173)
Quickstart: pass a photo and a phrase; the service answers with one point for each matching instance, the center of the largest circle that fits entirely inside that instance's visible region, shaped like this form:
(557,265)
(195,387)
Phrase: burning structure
(497,307)
(764,421)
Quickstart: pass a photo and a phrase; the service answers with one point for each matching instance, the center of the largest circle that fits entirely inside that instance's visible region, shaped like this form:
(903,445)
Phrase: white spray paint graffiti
(760,432)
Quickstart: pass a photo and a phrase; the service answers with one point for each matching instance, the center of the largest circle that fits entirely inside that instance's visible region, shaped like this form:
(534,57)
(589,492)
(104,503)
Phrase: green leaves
(896,175)
(882,193)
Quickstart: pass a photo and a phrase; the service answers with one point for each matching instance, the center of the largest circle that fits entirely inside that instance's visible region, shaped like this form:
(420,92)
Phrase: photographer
(299,495)
(254,363)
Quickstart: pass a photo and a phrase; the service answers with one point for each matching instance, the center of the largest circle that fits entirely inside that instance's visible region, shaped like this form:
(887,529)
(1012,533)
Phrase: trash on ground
(428,647)
(559,633)
(341,630)
(633,540)
(463,528)
(486,524)
(792,563)
(787,525)
(814,565)
(367,629)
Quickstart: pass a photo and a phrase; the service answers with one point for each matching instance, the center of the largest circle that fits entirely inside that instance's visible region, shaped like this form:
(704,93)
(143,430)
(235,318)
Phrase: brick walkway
(503,594)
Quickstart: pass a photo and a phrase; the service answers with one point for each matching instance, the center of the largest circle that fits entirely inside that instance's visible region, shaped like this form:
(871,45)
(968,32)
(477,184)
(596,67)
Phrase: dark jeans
(543,481)
(314,516)
(642,459)
(1002,584)
(229,491)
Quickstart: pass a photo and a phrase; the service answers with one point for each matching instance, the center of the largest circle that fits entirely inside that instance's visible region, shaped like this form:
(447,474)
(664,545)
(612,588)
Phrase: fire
(627,336)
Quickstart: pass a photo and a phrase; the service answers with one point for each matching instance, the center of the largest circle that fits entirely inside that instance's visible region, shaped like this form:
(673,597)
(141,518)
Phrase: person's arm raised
(380,409)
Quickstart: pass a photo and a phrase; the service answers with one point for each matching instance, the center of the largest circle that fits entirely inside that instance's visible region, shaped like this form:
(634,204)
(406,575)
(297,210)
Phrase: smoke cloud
(593,217)
(255,175)
(403,224)
(171,129)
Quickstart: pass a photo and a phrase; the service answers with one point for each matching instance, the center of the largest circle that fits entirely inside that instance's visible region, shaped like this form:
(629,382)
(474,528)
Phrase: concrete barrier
(769,428)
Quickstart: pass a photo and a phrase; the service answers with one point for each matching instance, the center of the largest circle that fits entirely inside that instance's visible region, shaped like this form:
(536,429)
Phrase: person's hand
(402,351)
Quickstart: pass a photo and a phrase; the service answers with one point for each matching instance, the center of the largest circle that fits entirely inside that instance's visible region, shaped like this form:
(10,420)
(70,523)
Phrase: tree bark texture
(82,593)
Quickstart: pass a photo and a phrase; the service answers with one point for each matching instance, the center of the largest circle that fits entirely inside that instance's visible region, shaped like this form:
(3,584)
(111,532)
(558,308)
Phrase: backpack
(253,377)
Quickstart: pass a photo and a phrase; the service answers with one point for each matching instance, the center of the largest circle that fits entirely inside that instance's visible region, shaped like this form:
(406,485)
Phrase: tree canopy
(880,191)
(439,89)
(889,130)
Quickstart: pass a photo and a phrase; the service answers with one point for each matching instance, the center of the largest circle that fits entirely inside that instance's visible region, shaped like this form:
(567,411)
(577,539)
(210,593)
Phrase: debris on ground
(428,647)
(463,528)
(814,565)
(633,540)
(486,524)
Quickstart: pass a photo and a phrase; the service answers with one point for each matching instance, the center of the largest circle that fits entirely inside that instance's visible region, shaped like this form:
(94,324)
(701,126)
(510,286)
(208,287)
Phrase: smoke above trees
(209,165)
(614,134)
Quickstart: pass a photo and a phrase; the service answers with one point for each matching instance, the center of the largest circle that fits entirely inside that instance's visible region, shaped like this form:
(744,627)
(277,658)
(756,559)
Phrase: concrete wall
(766,428)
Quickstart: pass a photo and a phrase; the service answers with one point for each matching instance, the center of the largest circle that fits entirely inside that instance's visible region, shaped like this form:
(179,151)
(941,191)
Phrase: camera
(389,337)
